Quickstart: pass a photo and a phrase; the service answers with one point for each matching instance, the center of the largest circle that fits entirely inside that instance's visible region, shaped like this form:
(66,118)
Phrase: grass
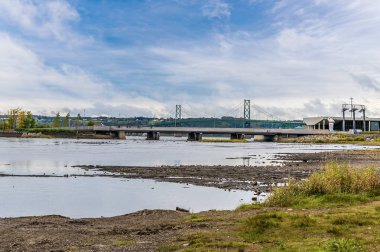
(365,138)
(337,209)
(123,243)
(337,184)
(197,218)
(210,140)
(343,245)
(322,230)
(46,130)
(347,228)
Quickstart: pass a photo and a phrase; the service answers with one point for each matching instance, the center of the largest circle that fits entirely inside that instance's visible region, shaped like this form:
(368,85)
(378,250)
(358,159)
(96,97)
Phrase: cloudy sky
(134,57)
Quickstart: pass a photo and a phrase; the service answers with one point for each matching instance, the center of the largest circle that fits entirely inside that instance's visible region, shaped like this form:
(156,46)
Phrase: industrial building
(342,123)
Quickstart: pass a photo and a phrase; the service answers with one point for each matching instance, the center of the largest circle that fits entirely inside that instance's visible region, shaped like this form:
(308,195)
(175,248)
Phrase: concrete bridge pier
(152,135)
(237,136)
(265,138)
(121,134)
(194,136)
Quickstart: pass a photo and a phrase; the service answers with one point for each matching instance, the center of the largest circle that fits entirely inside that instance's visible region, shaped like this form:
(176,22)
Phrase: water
(105,196)
(56,156)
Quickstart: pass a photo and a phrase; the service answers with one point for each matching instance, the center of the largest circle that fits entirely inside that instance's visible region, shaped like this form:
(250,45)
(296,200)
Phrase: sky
(292,58)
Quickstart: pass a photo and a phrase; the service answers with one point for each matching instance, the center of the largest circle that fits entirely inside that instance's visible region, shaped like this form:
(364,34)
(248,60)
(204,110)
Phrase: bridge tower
(178,114)
(178,111)
(247,114)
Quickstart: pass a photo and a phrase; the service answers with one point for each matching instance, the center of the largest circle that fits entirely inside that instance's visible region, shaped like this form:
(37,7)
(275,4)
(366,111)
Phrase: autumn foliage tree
(19,119)
(11,122)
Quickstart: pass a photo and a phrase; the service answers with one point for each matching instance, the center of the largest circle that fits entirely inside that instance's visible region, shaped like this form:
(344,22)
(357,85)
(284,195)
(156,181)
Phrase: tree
(12,118)
(57,121)
(91,123)
(30,122)
(21,119)
(66,120)
(78,120)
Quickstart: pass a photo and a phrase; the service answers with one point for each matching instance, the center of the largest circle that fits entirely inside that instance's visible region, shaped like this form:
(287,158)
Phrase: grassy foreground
(365,138)
(337,209)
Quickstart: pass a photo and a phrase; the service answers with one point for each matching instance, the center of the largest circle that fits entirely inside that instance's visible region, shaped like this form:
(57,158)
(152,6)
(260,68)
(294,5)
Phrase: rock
(181,209)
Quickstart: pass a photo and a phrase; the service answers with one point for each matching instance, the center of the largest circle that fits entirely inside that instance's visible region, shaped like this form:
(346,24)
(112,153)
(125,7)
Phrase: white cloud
(216,9)
(47,19)
(27,82)
(316,61)
(308,65)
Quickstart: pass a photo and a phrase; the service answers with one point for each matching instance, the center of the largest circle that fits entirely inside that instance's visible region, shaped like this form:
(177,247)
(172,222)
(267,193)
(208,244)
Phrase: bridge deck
(186,130)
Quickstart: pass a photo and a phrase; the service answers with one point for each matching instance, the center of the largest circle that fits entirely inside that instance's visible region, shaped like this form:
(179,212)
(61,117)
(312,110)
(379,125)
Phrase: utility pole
(353,108)
(352,105)
(344,109)
(247,114)
(364,122)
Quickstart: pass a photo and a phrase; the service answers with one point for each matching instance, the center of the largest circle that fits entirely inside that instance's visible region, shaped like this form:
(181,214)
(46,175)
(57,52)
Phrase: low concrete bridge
(196,133)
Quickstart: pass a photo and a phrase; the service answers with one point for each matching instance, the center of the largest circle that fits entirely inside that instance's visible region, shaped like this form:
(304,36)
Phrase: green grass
(169,248)
(347,228)
(249,207)
(339,138)
(337,209)
(343,245)
(255,227)
(197,218)
(123,243)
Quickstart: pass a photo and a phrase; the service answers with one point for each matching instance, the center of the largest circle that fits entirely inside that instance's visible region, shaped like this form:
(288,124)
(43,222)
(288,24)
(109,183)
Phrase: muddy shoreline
(152,230)
(149,230)
(249,178)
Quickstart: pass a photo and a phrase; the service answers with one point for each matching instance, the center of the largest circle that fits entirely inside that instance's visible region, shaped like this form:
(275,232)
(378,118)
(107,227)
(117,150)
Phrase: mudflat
(260,178)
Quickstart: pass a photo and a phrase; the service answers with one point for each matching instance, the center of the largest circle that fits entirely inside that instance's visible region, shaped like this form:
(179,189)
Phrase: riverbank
(53,133)
(366,138)
(344,222)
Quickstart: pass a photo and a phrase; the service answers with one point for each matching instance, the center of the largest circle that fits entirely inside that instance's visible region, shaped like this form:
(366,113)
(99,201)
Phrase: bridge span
(196,133)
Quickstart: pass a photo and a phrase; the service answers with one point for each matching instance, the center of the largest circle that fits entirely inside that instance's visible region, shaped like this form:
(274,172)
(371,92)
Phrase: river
(78,197)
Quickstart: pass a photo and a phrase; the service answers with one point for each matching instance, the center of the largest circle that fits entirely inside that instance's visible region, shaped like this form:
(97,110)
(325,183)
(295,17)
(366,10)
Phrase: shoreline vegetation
(335,209)
(365,138)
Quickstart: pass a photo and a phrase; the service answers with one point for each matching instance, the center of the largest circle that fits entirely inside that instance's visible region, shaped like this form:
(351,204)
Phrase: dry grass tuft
(334,179)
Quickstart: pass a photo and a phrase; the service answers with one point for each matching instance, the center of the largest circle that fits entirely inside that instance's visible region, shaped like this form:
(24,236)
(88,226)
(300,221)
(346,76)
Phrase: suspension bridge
(196,133)
(154,132)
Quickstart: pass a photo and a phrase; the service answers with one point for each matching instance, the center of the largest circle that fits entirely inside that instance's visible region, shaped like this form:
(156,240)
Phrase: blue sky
(141,57)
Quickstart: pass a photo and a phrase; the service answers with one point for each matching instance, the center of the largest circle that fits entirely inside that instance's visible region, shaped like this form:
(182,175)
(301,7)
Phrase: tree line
(21,119)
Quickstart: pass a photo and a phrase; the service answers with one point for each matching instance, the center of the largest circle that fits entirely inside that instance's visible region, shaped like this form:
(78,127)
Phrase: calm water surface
(104,196)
